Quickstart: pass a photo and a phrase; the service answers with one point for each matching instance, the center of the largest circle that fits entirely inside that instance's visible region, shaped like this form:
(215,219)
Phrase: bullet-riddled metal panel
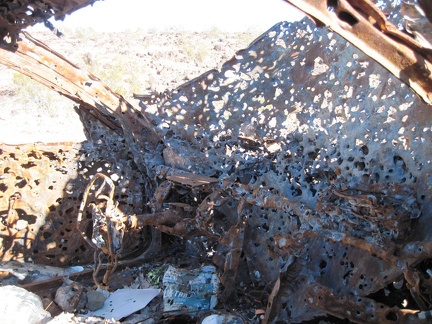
(50,180)
(320,161)
(336,120)
(365,26)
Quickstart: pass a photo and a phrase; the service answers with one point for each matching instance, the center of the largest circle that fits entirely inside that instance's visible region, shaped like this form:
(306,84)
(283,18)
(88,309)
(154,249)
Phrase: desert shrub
(85,33)
(247,37)
(32,94)
(123,75)
(195,51)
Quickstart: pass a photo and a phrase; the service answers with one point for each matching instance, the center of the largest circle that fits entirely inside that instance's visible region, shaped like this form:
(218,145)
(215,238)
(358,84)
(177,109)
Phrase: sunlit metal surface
(304,160)
(365,26)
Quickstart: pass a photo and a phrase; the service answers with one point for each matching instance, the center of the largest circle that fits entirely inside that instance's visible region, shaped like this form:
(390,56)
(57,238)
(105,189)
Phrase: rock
(66,297)
(18,305)
(95,299)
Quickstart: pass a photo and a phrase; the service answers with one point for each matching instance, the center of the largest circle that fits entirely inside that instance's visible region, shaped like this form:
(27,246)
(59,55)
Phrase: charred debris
(301,169)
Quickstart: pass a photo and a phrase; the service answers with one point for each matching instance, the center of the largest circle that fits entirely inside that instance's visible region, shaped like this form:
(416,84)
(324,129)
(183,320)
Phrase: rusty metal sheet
(363,25)
(341,122)
(310,167)
(50,180)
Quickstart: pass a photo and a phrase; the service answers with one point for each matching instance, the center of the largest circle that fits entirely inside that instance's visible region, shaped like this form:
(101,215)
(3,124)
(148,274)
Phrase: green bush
(124,76)
(197,52)
(32,93)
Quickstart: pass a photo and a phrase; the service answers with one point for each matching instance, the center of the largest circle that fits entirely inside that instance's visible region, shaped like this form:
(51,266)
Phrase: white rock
(18,305)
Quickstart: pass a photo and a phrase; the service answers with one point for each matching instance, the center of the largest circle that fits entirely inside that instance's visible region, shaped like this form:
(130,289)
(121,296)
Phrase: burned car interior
(301,168)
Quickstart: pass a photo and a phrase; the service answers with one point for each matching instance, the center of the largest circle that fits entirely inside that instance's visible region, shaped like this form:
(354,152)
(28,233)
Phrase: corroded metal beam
(365,26)
(36,60)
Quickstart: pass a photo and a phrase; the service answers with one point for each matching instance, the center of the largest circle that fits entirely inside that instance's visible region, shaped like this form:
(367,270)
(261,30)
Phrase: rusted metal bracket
(108,228)
(366,27)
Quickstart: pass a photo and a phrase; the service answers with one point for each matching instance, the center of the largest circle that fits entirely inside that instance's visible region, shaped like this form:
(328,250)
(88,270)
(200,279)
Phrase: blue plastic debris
(190,290)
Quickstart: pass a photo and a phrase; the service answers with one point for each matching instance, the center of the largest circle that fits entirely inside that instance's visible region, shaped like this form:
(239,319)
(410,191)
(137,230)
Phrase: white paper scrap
(124,302)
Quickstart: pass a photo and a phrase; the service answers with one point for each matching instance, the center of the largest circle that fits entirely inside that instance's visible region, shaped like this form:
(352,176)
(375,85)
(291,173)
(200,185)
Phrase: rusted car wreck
(302,167)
